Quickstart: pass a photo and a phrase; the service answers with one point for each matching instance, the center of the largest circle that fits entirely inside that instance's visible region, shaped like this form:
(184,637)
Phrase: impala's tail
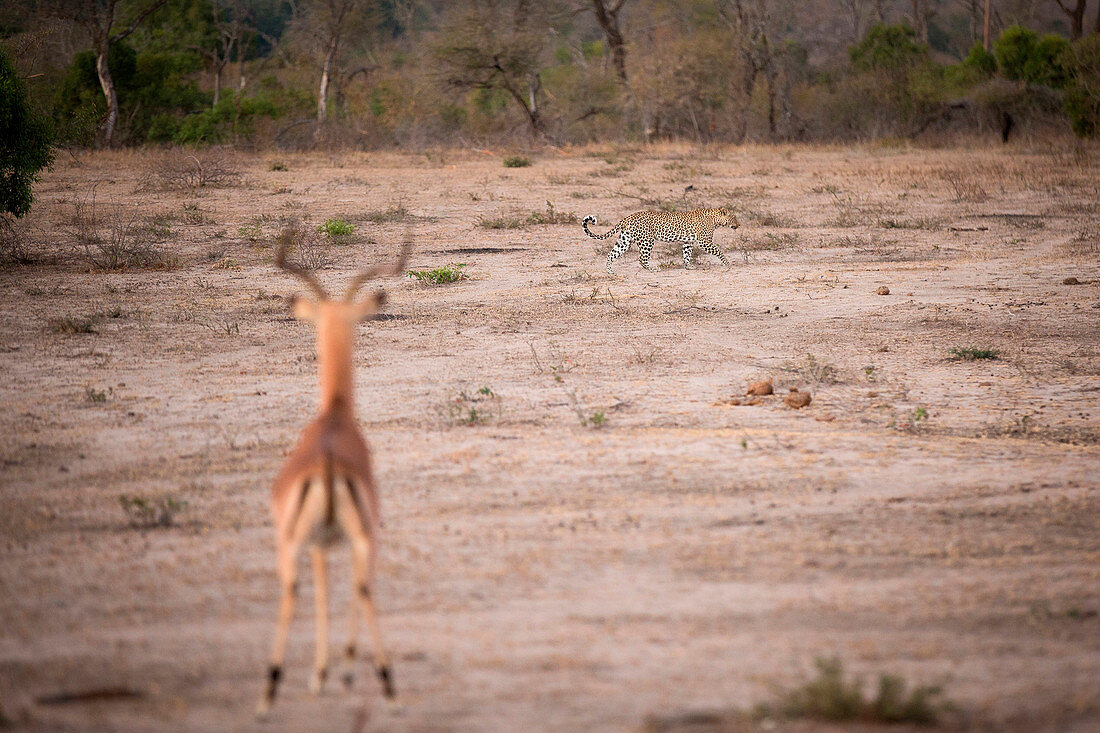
(592,219)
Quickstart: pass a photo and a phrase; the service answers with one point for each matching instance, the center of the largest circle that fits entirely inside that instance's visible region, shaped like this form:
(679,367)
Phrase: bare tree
(750,21)
(607,15)
(481,53)
(97,17)
(325,25)
(229,25)
(1076,14)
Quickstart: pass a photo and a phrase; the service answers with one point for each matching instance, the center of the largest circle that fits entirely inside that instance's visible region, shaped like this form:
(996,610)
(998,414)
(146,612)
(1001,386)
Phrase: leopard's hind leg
(618,250)
(645,249)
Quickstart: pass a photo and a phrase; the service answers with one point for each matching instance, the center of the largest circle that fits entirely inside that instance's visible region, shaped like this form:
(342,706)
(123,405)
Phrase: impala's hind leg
(349,650)
(288,580)
(320,590)
(618,250)
(364,573)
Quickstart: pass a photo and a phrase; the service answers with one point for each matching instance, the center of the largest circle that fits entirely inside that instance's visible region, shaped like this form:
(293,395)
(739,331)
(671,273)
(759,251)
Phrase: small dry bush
(112,240)
(965,188)
(181,170)
(552,216)
(307,245)
(14,244)
(396,212)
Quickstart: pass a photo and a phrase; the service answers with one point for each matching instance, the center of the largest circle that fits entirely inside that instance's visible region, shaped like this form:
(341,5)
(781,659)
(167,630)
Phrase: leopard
(646,227)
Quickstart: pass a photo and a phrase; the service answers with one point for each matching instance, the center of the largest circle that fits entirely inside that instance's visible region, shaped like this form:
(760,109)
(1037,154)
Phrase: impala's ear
(304,309)
(369,305)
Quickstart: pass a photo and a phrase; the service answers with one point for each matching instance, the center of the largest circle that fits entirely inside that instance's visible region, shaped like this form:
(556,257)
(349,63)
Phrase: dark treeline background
(410,73)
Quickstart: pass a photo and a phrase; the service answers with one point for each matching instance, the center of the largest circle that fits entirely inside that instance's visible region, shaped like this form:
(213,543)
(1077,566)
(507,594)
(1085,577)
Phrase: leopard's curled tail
(617,228)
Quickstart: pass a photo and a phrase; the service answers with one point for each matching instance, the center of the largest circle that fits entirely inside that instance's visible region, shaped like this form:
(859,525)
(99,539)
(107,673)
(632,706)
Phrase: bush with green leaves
(1022,55)
(25,142)
(1082,97)
(337,228)
(890,48)
(155,90)
(1013,50)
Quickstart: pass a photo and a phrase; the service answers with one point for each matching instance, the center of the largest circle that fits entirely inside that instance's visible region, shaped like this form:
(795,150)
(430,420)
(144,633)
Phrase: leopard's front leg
(645,249)
(708,246)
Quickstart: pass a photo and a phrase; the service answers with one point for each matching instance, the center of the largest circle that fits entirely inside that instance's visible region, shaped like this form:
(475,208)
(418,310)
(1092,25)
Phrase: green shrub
(220,123)
(440,275)
(25,142)
(516,161)
(1013,50)
(1082,98)
(981,61)
(1045,64)
(155,90)
(337,228)
(888,48)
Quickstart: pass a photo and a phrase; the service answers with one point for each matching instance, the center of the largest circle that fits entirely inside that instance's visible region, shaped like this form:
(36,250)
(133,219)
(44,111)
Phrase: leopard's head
(726,217)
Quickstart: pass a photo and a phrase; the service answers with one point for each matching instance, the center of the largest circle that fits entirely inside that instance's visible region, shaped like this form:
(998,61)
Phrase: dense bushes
(503,73)
(25,140)
(1082,99)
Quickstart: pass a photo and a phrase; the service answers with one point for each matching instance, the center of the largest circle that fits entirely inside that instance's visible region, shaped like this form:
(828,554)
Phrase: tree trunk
(322,95)
(1076,14)
(879,17)
(217,84)
(108,85)
(608,18)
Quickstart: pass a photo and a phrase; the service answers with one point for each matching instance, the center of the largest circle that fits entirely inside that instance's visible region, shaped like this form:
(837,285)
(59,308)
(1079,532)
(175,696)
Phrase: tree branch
(137,21)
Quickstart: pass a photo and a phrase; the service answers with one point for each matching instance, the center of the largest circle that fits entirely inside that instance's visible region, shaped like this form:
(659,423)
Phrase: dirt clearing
(583,529)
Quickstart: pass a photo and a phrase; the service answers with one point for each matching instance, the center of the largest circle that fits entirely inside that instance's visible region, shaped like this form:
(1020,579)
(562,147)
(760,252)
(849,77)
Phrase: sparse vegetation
(189,171)
(502,222)
(516,161)
(396,212)
(830,697)
(812,371)
(472,408)
(149,513)
(552,216)
(304,241)
(337,229)
(973,354)
(440,275)
(73,324)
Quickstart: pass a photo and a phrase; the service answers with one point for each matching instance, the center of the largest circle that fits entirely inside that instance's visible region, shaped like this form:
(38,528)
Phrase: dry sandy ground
(925,516)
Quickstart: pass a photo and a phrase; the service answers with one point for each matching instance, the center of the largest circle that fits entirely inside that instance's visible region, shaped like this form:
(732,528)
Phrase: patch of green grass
(516,161)
(972,354)
(830,697)
(336,228)
(597,419)
(440,275)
